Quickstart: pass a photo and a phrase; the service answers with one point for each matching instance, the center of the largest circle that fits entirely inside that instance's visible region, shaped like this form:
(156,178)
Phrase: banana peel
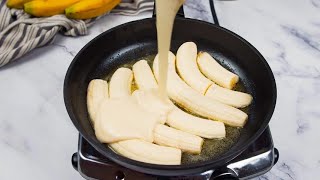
(86,9)
(18,4)
(44,8)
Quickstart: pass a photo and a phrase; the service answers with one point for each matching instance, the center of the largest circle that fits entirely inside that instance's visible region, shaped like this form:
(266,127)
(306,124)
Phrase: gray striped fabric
(133,7)
(20,33)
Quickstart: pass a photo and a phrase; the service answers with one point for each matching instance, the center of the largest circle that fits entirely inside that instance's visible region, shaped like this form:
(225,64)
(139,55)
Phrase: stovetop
(258,159)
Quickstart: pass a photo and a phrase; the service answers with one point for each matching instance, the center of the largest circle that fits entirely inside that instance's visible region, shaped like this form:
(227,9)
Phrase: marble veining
(285,68)
(302,124)
(198,9)
(16,143)
(303,37)
(65,48)
(287,170)
(315,3)
(37,137)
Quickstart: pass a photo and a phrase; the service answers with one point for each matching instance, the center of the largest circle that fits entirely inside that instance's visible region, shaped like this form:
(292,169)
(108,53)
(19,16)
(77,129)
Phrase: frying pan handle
(180,12)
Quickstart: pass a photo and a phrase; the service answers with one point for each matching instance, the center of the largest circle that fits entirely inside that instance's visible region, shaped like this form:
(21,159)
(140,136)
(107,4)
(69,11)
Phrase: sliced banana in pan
(215,72)
(178,118)
(136,149)
(143,76)
(193,101)
(190,73)
(147,152)
(163,135)
(198,126)
(120,83)
(97,92)
(188,69)
(167,136)
(233,98)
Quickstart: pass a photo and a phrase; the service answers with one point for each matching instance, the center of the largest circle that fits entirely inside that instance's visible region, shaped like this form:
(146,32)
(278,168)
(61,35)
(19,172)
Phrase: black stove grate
(258,159)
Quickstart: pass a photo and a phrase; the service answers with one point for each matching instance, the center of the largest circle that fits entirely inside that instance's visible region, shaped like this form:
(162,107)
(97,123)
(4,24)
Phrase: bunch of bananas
(75,9)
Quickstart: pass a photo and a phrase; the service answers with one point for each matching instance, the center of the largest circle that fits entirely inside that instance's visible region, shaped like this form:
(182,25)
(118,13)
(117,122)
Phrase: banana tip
(27,8)
(68,10)
(9,5)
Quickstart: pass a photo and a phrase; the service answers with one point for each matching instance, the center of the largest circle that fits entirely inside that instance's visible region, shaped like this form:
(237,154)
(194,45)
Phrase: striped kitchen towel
(20,33)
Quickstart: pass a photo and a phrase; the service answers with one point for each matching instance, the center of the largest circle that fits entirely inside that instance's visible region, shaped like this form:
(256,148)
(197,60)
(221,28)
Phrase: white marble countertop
(37,137)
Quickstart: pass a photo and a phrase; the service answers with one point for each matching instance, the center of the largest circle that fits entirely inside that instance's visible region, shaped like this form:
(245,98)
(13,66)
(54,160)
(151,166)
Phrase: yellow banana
(197,103)
(18,4)
(42,8)
(97,92)
(86,9)
(177,118)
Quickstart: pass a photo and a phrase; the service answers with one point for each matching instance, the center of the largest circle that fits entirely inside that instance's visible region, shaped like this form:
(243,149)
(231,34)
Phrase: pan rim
(170,169)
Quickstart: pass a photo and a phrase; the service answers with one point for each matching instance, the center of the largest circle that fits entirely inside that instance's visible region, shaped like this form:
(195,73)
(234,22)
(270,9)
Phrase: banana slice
(97,92)
(215,72)
(189,72)
(194,125)
(167,136)
(147,152)
(143,76)
(120,83)
(177,118)
(188,69)
(229,97)
(193,101)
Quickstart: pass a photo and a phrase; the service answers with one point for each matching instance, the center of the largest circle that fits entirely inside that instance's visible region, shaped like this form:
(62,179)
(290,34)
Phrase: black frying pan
(133,40)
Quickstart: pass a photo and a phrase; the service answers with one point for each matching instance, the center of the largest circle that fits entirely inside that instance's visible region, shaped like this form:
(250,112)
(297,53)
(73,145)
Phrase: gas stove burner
(258,159)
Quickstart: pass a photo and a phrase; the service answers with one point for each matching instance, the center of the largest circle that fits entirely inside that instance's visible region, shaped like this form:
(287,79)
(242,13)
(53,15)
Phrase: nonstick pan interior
(131,41)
